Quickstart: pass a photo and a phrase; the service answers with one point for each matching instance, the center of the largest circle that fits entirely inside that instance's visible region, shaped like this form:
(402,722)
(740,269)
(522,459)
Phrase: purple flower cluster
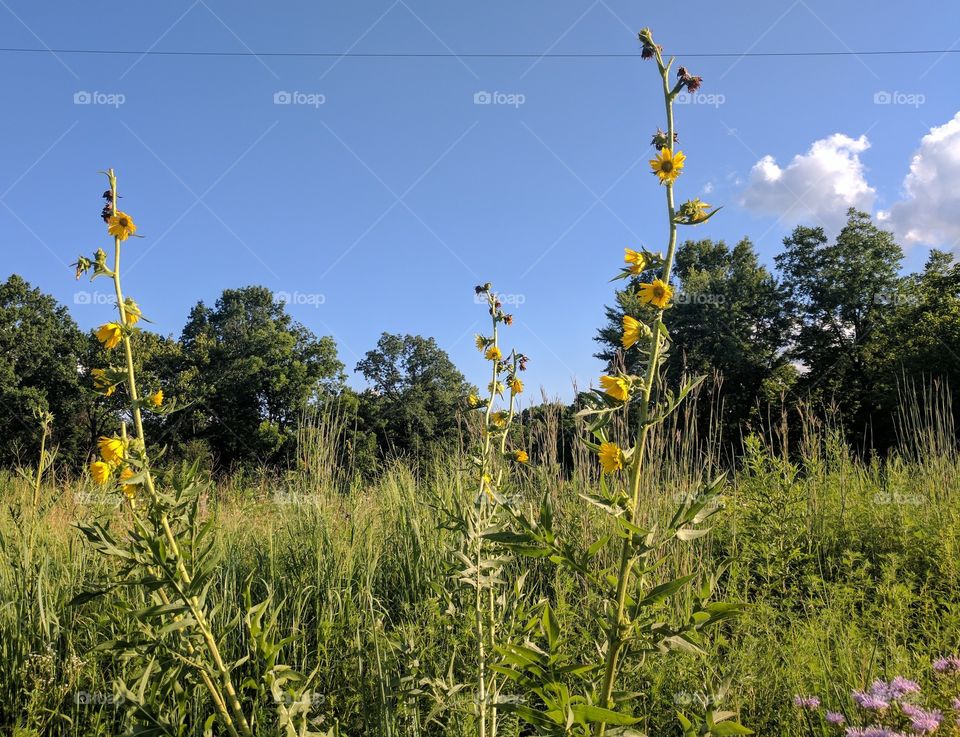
(890,704)
(945,666)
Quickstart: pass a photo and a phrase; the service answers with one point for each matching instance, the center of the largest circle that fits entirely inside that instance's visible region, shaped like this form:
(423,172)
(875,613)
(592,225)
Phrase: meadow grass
(849,570)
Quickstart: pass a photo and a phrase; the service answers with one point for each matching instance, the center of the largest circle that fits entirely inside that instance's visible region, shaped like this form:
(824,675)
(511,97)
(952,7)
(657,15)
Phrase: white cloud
(929,213)
(815,188)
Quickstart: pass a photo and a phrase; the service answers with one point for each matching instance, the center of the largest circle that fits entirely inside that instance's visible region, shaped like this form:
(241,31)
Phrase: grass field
(849,570)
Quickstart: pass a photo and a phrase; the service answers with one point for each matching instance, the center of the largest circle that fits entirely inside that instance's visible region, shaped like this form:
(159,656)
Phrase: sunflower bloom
(611,457)
(473,400)
(109,335)
(516,386)
(667,166)
(493,354)
(480,342)
(498,419)
(121,226)
(112,449)
(520,456)
(657,293)
(131,311)
(156,399)
(633,330)
(100,472)
(616,387)
(636,260)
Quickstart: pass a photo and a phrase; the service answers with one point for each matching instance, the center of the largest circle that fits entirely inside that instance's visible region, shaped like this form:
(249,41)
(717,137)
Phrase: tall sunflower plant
(642,613)
(494,599)
(166,560)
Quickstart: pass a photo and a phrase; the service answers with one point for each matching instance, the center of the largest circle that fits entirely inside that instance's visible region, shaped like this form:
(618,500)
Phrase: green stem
(185,578)
(618,623)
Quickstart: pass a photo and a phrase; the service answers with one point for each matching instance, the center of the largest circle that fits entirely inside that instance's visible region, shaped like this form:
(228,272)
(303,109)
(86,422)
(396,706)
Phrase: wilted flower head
(660,139)
(650,49)
(689,81)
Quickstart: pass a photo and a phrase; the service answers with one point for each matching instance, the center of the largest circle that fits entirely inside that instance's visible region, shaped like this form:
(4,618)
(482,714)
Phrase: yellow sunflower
(131,311)
(516,386)
(109,335)
(493,354)
(121,226)
(112,449)
(498,419)
(667,166)
(657,293)
(637,261)
(611,457)
(100,472)
(473,400)
(156,399)
(520,456)
(616,386)
(632,331)
(480,342)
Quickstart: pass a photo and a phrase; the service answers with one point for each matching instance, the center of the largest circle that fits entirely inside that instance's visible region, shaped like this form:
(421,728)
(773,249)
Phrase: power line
(471,55)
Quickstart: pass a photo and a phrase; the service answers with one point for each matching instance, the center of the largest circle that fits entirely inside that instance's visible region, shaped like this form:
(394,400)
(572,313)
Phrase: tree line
(835,324)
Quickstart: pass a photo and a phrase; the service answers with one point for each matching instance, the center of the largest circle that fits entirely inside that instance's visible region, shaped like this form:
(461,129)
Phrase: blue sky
(383,192)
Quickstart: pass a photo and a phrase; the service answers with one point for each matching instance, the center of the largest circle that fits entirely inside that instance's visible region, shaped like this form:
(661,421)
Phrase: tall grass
(850,569)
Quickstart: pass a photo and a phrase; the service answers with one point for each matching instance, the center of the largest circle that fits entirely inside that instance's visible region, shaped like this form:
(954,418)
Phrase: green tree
(250,370)
(415,395)
(41,368)
(842,296)
(727,322)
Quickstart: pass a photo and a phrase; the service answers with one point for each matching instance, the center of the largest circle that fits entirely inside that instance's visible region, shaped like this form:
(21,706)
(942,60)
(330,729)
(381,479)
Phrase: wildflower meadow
(435,558)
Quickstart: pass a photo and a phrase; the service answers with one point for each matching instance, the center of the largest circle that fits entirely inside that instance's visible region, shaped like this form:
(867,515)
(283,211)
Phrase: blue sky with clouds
(377,191)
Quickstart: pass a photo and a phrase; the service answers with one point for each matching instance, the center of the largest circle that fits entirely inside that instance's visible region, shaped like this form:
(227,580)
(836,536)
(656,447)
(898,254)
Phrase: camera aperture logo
(307,99)
(507,99)
(108,99)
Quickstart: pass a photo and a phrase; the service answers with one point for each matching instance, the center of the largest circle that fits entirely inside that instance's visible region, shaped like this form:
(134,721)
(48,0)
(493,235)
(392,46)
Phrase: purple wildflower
(806,702)
(946,665)
(835,717)
(956,703)
(901,686)
(925,722)
(873,731)
(870,701)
